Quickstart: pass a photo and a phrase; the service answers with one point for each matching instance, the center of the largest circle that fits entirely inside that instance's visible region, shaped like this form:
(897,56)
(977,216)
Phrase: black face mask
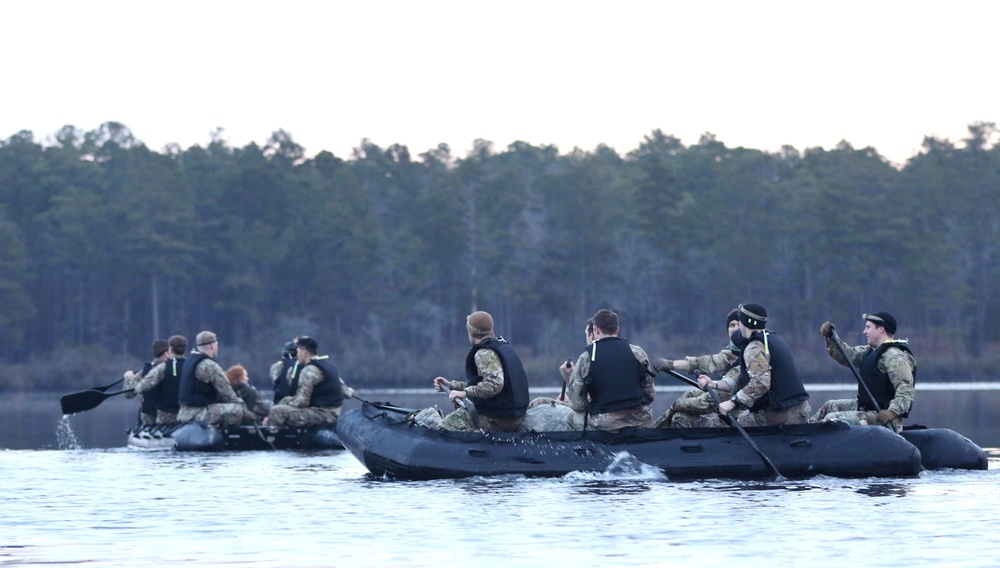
(737,342)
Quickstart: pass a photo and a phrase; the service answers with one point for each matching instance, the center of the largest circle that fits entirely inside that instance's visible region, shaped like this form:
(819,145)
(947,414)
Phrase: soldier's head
(288,352)
(752,317)
(732,321)
(178,345)
(237,374)
(160,348)
(605,324)
(306,348)
(879,327)
(208,343)
(479,325)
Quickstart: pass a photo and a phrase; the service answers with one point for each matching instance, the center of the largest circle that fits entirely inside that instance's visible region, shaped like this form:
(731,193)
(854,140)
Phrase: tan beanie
(479,323)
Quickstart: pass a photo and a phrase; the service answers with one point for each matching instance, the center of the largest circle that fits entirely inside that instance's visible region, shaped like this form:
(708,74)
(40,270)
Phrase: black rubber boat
(199,437)
(387,444)
(941,448)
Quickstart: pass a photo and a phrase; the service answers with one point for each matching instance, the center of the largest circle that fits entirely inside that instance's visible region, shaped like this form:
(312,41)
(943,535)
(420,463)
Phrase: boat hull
(200,437)
(941,448)
(388,445)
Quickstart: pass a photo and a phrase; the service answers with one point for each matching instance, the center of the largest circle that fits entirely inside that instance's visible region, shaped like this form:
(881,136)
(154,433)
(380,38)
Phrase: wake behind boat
(381,437)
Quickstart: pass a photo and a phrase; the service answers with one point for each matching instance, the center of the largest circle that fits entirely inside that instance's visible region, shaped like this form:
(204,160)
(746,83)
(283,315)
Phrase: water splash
(65,436)
(623,466)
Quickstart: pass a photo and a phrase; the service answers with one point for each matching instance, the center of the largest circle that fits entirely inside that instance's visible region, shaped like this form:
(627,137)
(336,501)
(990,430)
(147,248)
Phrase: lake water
(110,506)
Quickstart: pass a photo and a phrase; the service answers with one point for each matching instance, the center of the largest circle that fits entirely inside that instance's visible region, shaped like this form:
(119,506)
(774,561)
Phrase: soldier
(205,394)
(317,392)
(147,412)
(164,380)
(279,372)
(561,399)
(610,387)
(887,367)
(495,382)
(695,408)
(769,386)
(239,379)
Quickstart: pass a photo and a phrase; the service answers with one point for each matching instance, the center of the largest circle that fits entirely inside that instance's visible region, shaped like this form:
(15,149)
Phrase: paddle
(562,395)
(86,400)
(732,422)
(385,405)
(857,375)
(106,387)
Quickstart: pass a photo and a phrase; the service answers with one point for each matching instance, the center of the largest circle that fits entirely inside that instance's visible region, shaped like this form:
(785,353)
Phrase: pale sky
(758,74)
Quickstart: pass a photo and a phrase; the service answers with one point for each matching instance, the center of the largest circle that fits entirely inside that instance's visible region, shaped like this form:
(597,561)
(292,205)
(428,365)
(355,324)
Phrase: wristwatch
(735,401)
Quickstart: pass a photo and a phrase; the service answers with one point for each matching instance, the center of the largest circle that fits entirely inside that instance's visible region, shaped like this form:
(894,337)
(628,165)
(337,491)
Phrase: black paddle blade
(86,400)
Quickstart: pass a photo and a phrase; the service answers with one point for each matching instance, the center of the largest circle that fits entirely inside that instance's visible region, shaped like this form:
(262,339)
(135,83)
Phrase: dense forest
(108,245)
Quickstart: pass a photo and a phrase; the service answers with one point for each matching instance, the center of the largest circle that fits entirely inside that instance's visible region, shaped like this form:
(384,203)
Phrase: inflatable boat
(200,437)
(388,444)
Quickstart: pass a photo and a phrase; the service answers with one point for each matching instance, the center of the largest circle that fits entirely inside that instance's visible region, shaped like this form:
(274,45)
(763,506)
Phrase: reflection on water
(883,490)
(613,488)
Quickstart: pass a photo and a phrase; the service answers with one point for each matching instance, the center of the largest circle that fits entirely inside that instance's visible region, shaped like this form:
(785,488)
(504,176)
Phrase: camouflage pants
(165,417)
(221,413)
(147,419)
(634,417)
(709,420)
(461,421)
(283,415)
(695,405)
(798,414)
(846,410)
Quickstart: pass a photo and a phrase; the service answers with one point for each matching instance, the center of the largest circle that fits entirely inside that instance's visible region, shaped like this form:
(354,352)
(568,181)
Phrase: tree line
(380,256)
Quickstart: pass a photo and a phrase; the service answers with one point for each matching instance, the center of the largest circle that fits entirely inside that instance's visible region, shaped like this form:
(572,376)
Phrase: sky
(575,74)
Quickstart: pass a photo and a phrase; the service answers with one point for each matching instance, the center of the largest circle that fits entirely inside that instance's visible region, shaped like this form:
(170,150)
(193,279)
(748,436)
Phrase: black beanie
(883,319)
(753,316)
(734,315)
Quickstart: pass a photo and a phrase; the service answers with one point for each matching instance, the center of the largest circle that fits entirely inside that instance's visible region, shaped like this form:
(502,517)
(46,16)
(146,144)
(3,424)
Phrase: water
(119,507)
(129,508)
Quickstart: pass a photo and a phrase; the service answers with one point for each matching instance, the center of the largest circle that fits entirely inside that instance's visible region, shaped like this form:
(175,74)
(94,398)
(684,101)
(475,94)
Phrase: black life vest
(877,381)
(293,377)
(328,393)
(786,386)
(148,398)
(282,386)
(512,400)
(168,391)
(192,391)
(616,377)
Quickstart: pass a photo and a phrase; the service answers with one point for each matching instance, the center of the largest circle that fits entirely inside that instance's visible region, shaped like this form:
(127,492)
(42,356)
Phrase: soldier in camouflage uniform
(769,386)
(205,393)
(162,381)
(280,374)
(546,414)
(887,367)
(495,383)
(610,387)
(317,393)
(696,408)
(239,379)
(147,412)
